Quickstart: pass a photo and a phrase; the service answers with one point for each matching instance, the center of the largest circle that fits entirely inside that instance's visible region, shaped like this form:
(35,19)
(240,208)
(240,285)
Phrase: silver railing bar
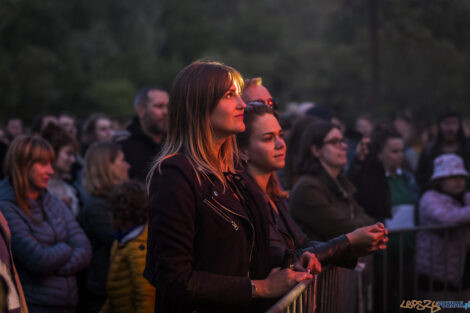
(291,296)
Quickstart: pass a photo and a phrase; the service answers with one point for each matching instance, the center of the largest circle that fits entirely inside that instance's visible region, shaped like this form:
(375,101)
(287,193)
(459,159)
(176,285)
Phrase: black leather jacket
(202,248)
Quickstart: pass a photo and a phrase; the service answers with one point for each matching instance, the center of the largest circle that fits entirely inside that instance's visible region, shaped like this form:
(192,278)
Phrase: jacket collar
(131,234)
(135,129)
(341,185)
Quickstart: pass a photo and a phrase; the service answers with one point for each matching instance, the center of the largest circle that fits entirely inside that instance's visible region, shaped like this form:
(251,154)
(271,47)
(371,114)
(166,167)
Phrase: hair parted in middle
(23,152)
(250,118)
(97,177)
(196,91)
(313,135)
(89,127)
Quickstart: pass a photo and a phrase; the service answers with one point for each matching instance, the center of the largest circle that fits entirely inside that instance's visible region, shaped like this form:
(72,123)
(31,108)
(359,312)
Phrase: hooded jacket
(437,256)
(48,246)
(139,150)
(128,291)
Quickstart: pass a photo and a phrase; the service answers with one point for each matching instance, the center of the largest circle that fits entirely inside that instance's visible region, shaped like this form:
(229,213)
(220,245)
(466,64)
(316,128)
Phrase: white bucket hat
(448,165)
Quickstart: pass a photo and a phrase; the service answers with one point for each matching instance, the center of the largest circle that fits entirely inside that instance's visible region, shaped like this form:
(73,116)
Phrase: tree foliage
(87,56)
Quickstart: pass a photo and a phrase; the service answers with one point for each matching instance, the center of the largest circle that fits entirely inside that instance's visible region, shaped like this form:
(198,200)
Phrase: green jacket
(324,207)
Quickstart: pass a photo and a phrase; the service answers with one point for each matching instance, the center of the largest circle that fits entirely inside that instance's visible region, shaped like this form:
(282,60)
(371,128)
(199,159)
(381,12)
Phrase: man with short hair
(450,139)
(14,127)
(148,129)
(254,91)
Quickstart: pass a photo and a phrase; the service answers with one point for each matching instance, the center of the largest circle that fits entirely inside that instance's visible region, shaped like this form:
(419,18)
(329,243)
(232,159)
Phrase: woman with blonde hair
(48,245)
(104,168)
(208,241)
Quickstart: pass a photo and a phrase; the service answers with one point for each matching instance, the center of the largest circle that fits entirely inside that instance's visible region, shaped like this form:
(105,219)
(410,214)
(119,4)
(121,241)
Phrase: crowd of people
(211,200)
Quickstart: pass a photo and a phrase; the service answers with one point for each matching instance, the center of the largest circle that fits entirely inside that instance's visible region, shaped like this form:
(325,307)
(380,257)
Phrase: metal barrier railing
(401,280)
(301,299)
(334,290)
(340,290)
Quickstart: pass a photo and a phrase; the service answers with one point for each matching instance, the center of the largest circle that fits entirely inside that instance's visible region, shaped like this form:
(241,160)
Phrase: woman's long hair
(97,177)
(293,151)
(196,91)
(251,115)
(23,152)
(313,135)
(89,128)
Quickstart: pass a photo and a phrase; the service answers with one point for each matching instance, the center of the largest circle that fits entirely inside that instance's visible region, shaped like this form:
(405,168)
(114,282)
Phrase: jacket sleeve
(170,256)
(337,251)
(76,238)
(35,257)
(438,211)
(311,208)
(97,222)
(144,292)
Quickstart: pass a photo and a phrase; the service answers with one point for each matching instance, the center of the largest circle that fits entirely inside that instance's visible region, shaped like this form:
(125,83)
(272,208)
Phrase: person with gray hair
(147,130)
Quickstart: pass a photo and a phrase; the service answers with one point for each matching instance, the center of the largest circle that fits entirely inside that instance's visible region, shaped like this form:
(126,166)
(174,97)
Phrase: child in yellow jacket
(127,290)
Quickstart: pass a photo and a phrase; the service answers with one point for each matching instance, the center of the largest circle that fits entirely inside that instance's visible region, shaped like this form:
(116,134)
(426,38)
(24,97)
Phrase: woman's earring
(244,157)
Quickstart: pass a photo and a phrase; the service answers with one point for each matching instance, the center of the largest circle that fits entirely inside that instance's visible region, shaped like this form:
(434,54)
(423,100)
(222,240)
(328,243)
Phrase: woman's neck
(333,171)
(33,194)
(261,177)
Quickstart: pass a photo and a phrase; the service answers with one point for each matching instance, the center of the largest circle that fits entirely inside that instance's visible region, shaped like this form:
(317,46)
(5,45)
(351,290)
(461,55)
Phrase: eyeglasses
(271,102)
(337,142)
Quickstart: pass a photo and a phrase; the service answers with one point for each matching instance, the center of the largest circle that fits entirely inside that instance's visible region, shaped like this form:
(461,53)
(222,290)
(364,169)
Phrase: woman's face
(267,150)
(103,129)
(119,168)
(65,159)
(227,117)
(392,154)
(333,151)
(39,174)
(453,185)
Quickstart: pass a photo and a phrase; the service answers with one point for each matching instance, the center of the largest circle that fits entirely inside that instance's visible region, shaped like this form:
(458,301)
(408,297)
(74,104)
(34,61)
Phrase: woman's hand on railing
(368,239)
(308,263)
(278,283)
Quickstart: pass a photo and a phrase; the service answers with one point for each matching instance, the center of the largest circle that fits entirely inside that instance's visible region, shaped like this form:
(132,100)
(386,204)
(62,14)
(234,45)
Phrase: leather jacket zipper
(219,212)
(251,225)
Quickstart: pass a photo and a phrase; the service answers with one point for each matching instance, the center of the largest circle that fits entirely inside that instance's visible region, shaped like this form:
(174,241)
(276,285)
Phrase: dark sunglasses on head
(272,103)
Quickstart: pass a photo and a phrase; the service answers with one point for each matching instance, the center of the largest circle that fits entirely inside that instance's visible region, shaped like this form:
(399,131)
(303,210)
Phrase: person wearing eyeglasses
(322,201)
(256,94)
(262,150)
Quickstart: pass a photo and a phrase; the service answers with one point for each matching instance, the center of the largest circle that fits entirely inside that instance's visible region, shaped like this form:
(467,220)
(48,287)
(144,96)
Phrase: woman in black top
(208,233)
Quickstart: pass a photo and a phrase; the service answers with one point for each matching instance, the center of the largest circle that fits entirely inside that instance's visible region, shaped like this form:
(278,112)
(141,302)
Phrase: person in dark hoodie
(450,139)
(148,129)
(48,245)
